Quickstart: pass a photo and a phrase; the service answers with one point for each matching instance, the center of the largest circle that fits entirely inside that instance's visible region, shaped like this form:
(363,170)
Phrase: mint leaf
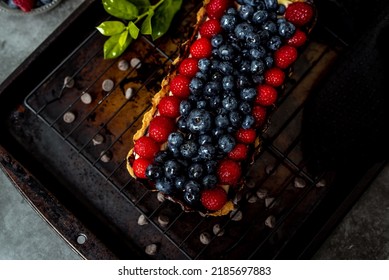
(121,9)
(112,47)
(146,25)
(123,38)
(142,5)
(163,17)
(133,29)
(109,28)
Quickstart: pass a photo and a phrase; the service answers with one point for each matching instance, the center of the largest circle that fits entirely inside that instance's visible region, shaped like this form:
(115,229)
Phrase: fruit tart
(204,127)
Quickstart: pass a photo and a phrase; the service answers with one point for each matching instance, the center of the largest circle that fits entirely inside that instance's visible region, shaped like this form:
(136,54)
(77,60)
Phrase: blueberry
(242,81)
(252,2)
(217,132)
(202,104)
(204,139)
(248,94)
(180,182)
(228,22)
(245,107)
(209,181)
(244,66)
(235,118)
(222,120)
(269,61)
(257,53)
(246,12)
(230,103)
(206,151)
(271,4)
(11,4)
(199,121)
(228,82)
(258,79)
(212,88)
(226,143)
(185,107)
(274,43)
(286,29)
(226,52)
(231,11)
(217,40)
(188,149)
(204,64)
(172,169)
(202,76)
(270,26)
(248,121)
(161,157)
(253,40)
(174,150)
(175,139)
(196,171)
(242,29)
(215,102)
(154,172)
(181,124)
(196,86)
(257,67)
(211,166)
(260,17)
(164,185)
(281,9)
(192,192)
(226,67)
(264,35)
(216,77)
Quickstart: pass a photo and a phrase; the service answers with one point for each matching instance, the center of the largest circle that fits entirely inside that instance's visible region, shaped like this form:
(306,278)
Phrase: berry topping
(213,199)
(25,5)
(274,77)
(299,13)
(179,86)
(169,106)
(216,8)
(210,28)
(140,166)
(298,39)
(259,114)
(160,127)
(246,136)
(201,48)
(229,172)
(188,67)
(239,152)
(266,95)
(146,147)
(285,56)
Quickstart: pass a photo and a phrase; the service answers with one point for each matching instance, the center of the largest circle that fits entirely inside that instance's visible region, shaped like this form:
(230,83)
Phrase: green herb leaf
(133,29)
(123,38)
(142,5)
(146,25)
(163,17)
(121,9)
(109,28)
(112,47)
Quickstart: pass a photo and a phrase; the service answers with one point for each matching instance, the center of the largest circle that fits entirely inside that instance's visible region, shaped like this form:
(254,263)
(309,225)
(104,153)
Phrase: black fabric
(346,119)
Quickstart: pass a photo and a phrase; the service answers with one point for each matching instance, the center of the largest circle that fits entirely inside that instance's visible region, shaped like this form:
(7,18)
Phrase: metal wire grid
(139,197)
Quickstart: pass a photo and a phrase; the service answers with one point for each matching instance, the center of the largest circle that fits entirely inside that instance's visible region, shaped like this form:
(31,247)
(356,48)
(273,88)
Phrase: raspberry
(25,5)
(216,8)
(246,136)
(299,13)
(274,77)
(239,152)
(285,56)
(229,172)
(259,113)
(169,106)
(213,199)
(201,48)
(298,39)
(160,127)
(146,147)
(139,166)
(210,28)
(266,95)
(188,67)
(179,86)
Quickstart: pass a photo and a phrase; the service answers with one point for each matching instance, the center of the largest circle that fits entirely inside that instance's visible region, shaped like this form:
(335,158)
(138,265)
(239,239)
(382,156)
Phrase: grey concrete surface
(363,234)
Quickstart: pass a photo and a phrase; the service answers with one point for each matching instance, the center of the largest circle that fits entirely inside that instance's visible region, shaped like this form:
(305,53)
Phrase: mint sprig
(137,17)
